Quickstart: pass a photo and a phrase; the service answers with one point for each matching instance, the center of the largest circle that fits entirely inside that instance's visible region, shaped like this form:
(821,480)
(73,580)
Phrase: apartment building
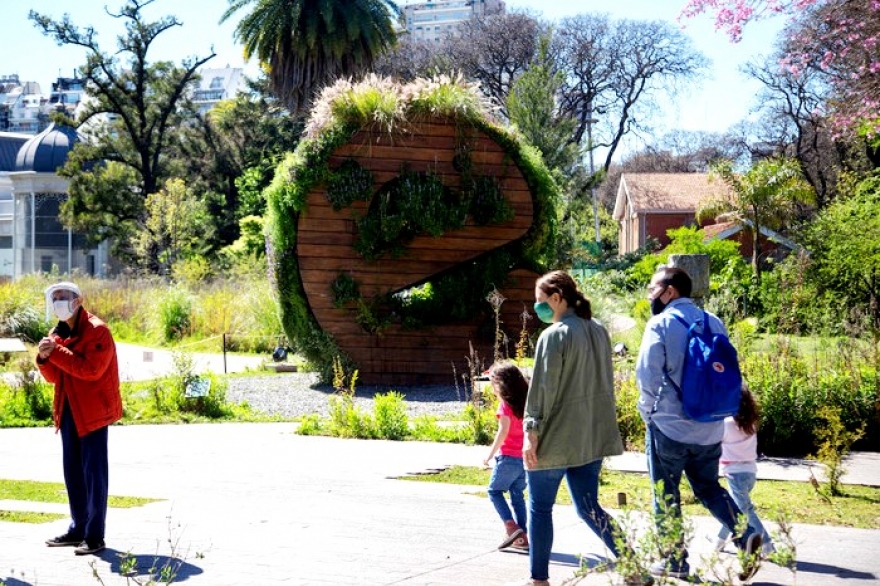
(216,85)
(22,106)
(434,21)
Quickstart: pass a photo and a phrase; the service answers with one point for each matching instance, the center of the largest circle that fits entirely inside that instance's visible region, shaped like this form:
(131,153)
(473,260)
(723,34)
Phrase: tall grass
(149,311)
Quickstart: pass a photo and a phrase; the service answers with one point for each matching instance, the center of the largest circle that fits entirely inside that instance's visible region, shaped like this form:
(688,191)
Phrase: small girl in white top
(739,452)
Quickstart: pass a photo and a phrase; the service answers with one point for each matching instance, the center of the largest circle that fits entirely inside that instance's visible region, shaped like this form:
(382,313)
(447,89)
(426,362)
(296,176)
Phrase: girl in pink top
(511,387)
(739,453)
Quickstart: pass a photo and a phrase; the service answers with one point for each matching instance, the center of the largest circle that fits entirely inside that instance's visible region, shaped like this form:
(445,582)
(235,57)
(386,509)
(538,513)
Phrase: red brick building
(649,204)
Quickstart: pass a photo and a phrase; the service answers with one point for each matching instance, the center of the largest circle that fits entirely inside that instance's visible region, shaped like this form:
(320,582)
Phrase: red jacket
(84,370)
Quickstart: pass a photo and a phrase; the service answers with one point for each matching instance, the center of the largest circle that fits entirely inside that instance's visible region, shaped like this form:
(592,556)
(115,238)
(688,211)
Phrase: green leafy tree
(307,44)
(533,110)
(229,156)
(844,242)
(764,196)
(176,227)
(130,118)
(686,240)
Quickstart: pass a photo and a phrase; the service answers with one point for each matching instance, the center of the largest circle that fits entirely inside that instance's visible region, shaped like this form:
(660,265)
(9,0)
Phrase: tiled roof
(671,191)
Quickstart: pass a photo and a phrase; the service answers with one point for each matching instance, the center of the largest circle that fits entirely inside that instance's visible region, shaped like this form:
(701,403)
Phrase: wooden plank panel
(324,246)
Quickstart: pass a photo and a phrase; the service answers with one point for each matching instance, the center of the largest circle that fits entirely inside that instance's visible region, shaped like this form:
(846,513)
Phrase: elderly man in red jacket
(79,358)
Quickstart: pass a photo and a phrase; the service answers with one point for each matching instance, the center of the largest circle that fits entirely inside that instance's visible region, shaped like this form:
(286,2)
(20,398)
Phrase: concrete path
(256,504)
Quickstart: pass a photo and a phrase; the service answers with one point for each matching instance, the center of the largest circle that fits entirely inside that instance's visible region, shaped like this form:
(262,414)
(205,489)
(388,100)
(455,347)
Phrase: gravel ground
(294,394)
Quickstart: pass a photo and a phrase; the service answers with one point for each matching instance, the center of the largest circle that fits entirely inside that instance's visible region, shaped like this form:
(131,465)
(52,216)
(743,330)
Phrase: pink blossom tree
(838,38)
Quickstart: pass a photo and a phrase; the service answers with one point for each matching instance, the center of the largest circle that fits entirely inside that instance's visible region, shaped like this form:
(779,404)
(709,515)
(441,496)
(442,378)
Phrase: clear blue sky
(720,101)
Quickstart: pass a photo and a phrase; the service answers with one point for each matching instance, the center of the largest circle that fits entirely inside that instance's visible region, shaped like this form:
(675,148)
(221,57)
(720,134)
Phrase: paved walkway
(247,504)
(258,504)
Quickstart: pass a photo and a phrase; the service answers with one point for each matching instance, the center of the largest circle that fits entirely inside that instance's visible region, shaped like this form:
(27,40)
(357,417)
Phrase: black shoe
(752,556)
(66,540)
(86,548)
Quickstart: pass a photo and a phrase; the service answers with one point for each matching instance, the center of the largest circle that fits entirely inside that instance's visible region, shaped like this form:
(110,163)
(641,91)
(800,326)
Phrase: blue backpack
(711,382)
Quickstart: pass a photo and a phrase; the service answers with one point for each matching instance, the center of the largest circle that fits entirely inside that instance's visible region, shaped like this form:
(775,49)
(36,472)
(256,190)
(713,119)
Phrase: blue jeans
(86,476)
(583,483)
(667,459)
(509,476)
(740,484)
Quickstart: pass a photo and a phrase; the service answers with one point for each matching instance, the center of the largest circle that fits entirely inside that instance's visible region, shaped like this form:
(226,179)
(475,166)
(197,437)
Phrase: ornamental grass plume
(387,105)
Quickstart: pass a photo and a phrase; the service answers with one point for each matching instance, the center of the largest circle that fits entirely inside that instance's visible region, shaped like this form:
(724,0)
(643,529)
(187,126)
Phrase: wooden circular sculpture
(380,225)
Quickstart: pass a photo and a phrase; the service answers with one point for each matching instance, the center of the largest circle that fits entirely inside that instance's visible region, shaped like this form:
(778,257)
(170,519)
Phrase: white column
(33,232)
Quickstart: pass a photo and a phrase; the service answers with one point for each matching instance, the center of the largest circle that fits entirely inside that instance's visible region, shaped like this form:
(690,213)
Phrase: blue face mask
(544,311)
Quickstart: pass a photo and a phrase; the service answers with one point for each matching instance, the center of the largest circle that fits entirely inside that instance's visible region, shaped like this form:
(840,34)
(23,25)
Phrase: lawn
(50,492)
(797,502)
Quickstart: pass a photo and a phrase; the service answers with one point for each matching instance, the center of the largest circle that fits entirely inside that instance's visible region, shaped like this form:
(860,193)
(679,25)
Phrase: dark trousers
(86,475)
(667,460)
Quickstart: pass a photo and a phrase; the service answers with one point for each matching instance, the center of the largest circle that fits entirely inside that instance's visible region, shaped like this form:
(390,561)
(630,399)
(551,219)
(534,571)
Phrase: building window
(46,263)
(216,83)
(90,264)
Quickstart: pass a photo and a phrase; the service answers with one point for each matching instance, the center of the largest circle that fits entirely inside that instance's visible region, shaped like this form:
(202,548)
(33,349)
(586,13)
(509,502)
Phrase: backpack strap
(707,330)
(690,327)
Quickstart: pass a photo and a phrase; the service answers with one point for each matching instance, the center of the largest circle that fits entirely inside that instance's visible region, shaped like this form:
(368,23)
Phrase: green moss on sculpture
(380,105)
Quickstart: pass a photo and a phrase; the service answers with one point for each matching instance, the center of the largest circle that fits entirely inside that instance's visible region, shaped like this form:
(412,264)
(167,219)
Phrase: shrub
(310,424)
(174,314)
(347,419)
(629,421)
(389,414)
(834,444)
(792,390)
(28,401)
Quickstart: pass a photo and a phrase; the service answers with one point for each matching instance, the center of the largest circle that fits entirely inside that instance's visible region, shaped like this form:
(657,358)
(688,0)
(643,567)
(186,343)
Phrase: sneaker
(529,582)
(68,539)
(86,548)
(718,544)
(514,532)
(752,557)
(672,568)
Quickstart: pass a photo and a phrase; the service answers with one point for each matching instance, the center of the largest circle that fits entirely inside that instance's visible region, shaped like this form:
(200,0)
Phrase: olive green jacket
(570,404)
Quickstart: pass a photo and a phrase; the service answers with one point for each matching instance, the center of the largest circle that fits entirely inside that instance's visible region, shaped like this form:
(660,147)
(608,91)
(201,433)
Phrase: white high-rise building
(434,21)
(216,85)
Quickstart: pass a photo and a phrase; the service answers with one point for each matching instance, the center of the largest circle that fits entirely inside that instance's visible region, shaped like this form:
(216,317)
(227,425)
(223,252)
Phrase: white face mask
(63,309)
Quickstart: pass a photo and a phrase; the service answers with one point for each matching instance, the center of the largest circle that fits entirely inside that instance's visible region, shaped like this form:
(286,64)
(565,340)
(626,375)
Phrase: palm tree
(307,44)
(764,196)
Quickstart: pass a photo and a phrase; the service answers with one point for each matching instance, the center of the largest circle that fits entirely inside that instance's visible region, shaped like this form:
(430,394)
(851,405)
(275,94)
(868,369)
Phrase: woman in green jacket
(570,418)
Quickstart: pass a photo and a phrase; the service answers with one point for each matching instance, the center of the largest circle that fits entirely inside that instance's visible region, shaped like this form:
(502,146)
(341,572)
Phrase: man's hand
(530,450)
(45,347)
